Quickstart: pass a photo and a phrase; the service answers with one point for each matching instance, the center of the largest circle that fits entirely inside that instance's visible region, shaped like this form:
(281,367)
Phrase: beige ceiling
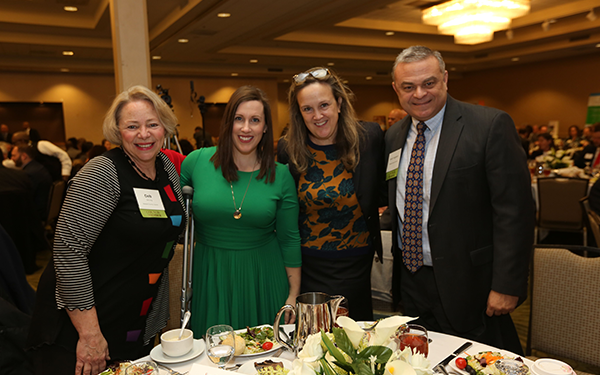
(285,36)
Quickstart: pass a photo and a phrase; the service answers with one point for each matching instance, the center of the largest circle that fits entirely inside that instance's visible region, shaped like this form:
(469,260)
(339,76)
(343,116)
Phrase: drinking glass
(217,352)
(415,337)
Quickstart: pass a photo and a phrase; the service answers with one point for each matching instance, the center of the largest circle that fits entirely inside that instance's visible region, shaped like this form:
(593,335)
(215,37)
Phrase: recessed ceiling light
(64,70)
(598,45)
(345,82)
(514,59)
(69,8)
(68,53)
(368,78)
(330,64)
(286,80)
(452,69)
(224,15)
(156,57)
(389,33)
(253,61)
(234,74)
(183,40)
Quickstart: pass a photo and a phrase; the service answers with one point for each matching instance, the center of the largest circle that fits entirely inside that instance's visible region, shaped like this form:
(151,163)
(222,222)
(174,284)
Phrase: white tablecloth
(441,346)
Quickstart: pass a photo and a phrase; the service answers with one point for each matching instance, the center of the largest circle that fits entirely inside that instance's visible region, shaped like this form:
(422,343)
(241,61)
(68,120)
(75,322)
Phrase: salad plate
(249,369)
(474,362)
(157,354)
(275,347)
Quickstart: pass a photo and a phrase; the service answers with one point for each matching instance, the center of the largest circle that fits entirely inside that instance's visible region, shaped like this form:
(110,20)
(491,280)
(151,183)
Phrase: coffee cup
(175,347)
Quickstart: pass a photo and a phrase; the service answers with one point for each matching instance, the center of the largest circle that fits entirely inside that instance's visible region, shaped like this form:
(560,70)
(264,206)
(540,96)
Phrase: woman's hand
(294,274)
(92,348)
(92,354)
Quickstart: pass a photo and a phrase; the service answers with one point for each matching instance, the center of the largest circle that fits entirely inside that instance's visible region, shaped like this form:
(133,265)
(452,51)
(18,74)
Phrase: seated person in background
(202,137)
(72,148)
(96,150)
(5,134)
(589,155)
(186,147)
(55,159)
(24,158)
(106,144)
(524,134)
(594,198)
(574,139)
(85,148)
(545,144)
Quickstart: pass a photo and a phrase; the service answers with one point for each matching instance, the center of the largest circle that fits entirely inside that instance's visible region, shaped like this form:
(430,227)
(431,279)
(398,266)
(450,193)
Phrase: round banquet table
(440,347)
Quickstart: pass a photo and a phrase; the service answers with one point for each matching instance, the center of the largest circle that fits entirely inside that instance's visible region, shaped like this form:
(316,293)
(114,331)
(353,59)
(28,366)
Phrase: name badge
(150,203)
(393,163)
(589,155)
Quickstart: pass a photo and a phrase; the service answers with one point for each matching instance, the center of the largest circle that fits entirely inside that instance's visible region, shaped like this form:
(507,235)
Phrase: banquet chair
(559,207)
(592,219)
(55,200)
(563,319)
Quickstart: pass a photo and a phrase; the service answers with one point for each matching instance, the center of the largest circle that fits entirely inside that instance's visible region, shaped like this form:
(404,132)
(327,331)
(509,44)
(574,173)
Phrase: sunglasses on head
(319,74)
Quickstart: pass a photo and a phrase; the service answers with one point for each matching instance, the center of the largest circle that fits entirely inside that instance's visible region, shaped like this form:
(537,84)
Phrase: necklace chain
(137,168)
(238,211)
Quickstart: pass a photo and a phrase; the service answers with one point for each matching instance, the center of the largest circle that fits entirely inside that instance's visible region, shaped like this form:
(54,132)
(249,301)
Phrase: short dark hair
(596,127)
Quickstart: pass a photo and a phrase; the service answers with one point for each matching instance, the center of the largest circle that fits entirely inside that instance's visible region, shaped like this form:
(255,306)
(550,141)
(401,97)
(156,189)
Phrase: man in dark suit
(23,156)
(5,135)
(461,258)
(590,155)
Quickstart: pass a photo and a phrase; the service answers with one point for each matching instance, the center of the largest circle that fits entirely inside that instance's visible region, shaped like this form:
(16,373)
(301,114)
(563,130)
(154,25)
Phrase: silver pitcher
(314,312)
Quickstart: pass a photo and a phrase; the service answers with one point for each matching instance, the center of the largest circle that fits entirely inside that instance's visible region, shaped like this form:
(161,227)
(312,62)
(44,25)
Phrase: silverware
(169,370)
(372,327)
(278,352)
(234,367)
(441,367)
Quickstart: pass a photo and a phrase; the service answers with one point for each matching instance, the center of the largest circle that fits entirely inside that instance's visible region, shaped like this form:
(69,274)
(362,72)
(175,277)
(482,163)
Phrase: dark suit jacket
(481,214)
(579,159)
(368,179)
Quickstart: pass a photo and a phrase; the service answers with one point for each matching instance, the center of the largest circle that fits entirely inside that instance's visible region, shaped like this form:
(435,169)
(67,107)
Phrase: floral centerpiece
(555,159)
(352,350)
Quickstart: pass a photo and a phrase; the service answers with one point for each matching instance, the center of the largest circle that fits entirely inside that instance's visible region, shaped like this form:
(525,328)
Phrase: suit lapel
(396,142)
(451,129)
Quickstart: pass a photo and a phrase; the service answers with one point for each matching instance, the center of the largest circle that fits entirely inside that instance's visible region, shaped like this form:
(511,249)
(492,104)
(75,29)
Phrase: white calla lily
(301,367)
(312,350)
(386,328)
(399,368)
(353,330)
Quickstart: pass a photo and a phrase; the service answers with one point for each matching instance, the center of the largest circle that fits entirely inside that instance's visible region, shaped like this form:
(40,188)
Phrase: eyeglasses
(319,74)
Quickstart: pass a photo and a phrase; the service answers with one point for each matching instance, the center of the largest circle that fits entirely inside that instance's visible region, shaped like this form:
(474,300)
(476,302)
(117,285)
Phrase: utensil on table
(441,367)
(217,351)
(369,329)
(314,311)
(167,369)
(186,319)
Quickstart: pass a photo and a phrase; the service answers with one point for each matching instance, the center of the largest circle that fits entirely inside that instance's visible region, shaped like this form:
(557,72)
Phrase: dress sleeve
(50,149)
(91,198)
(286,221)
(187,168)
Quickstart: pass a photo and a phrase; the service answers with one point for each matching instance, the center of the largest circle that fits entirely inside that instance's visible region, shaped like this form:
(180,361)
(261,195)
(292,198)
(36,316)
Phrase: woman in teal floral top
(338,166)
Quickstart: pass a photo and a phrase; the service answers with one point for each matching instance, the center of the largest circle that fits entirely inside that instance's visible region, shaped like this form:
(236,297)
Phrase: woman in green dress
(247,260)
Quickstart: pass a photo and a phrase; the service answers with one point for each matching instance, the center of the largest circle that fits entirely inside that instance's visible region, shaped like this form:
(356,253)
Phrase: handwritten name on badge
(150,203)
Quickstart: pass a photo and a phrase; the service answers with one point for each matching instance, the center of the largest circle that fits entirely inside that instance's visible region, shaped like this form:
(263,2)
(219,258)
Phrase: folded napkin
(570,172)
(198,369)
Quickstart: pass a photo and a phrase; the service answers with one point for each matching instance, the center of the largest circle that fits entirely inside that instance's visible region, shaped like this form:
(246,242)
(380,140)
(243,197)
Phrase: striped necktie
(412,236)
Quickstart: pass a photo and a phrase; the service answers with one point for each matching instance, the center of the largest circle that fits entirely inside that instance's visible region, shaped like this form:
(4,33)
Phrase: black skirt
(347,276)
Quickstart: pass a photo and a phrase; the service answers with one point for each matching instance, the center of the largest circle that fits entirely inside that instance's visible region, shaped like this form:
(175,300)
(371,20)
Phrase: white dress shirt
(432,139)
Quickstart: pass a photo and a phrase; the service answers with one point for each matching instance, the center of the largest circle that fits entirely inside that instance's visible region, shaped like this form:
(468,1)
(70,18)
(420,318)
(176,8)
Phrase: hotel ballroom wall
(533,93)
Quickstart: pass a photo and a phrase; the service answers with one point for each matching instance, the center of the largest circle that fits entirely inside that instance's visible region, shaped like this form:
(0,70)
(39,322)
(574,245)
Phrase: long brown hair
(349,129)
(264,152)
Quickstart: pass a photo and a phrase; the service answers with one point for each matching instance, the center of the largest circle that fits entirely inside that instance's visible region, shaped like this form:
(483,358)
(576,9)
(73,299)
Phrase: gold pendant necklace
(238,211)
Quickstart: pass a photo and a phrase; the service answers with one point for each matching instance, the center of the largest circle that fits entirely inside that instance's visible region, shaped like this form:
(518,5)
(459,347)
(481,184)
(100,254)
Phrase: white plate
(276,345)
(158,355)
(452,363)
(249,369)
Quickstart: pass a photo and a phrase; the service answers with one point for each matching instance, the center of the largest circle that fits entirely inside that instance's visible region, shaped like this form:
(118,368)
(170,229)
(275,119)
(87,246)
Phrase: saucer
(158,355)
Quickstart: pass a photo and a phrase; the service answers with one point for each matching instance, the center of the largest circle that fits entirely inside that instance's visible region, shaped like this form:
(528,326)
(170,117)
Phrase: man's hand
(500,304)
(92,354)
